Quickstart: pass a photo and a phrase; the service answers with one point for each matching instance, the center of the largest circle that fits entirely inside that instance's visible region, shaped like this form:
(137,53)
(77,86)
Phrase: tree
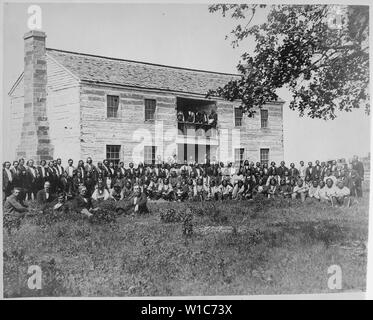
(319,52)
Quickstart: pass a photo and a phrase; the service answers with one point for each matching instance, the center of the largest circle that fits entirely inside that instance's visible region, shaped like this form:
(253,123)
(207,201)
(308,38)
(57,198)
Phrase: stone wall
(35,141)
(132,133)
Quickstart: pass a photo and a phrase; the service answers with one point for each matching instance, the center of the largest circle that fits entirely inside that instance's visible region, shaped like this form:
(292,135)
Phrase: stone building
(75,105)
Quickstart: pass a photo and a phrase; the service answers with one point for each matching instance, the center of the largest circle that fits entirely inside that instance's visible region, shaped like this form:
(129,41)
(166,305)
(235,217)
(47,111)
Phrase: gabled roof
(115,71)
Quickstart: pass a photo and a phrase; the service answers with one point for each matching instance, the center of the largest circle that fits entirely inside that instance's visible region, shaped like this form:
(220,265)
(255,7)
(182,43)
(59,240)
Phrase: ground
(231,248)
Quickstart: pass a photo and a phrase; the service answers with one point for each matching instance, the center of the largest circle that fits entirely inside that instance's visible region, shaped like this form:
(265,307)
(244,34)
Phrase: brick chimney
(35,142)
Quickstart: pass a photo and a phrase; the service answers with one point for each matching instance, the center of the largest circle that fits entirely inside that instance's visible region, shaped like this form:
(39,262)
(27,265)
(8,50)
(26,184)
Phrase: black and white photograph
(190,150)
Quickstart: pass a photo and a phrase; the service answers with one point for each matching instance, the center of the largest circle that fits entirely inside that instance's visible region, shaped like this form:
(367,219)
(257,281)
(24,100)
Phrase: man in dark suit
(359,168)
(134,203)
(42,173)
(31,178)
(281,169)
(17,179)
(7,180)
(272,170)
(52,176)
(310,171)
(44,196)
(293,172)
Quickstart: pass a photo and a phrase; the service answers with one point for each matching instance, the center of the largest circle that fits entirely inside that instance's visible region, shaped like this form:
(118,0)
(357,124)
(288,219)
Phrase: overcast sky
(177,35)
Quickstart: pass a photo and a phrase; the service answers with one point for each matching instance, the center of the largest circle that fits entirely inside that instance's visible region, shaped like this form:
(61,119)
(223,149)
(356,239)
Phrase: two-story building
(75,105)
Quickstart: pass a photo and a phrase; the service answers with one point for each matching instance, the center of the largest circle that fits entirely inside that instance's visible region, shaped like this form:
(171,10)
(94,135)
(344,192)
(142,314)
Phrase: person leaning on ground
(14,210)
(83,204)
(136,202)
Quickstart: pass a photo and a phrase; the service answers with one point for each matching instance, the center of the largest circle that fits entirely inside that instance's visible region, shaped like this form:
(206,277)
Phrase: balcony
(196,120)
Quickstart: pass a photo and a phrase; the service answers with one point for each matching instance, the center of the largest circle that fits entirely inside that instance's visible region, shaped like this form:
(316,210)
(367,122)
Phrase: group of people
(198,117)
(326,181)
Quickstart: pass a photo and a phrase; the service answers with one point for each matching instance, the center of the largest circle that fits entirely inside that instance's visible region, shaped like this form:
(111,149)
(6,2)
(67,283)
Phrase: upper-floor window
(112,106)
(150,105)
(237,117)
(264,118)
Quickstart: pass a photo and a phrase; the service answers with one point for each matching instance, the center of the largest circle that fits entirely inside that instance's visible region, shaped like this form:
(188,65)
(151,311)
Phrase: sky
(184,35)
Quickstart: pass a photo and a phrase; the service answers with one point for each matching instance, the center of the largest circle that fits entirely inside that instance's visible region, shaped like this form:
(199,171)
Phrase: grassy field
(235,248)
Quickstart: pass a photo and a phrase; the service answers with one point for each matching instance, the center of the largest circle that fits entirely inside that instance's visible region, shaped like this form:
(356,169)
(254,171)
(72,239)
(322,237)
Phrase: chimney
(35,141)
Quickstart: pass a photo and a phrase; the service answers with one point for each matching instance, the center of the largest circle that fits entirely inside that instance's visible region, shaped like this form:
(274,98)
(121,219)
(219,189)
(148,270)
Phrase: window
(237,117)
(113,154)
(112,106)
(239,155)
(264,156)
(150,109)
(149,154)
(264,118)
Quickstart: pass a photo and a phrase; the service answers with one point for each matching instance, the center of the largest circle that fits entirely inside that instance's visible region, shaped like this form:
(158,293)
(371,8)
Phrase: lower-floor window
(113,154)
(149,154)
(239,155)
(264,156)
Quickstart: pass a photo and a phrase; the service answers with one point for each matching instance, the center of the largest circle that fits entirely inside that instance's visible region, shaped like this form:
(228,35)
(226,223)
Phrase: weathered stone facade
(68,95)
(35,141)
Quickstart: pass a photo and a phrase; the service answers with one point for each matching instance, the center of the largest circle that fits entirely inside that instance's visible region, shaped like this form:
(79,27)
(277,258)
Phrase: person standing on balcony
(191,116)
(212,118)
(180,116)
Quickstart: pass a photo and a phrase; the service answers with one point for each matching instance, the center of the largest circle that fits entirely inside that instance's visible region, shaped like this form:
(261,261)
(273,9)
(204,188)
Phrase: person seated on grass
(136,203)
(14,210)
(313,191)
(321,193)
(118,179)
(226,190)
(342,195)
(167,192)
(300,190)
(83,204)
(214,192)
(126,191)
(151,190)
(61,206)
(239,191)
(190,189)
(200,191)
(285,189)
(260,189)
(308,181)
(179,192)
(89,184)
(330,191)
(116,192)
(174,179)
(329,175)
(273,189)
(44,196)
(101,193)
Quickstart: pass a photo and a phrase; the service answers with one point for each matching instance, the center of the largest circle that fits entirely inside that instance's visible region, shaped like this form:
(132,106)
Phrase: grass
(235,248)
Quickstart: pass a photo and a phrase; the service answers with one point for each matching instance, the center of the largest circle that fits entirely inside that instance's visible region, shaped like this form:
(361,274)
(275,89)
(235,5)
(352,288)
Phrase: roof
(107,70)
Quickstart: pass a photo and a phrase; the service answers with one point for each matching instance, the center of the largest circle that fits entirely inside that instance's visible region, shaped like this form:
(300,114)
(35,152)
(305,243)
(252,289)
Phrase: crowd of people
(132,187)
(198,117)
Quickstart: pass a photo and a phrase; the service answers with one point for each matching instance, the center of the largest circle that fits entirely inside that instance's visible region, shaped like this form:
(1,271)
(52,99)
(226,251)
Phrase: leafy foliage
(319,52)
